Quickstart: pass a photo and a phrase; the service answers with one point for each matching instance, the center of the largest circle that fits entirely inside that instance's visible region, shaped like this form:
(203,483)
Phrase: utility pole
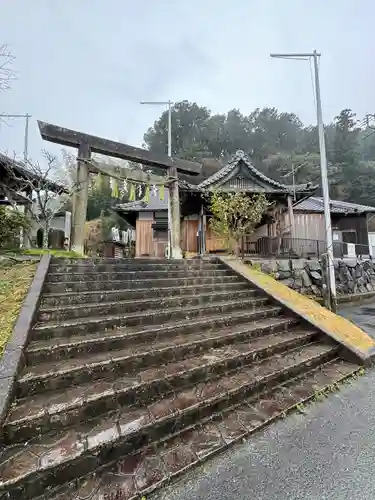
(323,168)
(169,129)
(293,174)
(26,133)
(169,104)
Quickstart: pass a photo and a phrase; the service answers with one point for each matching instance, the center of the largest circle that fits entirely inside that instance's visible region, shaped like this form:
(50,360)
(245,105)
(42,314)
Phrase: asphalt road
(328,453)
(362,315)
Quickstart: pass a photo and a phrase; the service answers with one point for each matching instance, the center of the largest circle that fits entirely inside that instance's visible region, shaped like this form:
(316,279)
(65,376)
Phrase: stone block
(367,265)
(358,271)
(314,265)
(316,290)
(288,282)
(298,263)
(306,280)
(361,281)
(283,265)
(316,277)
(267,268)
(283,275)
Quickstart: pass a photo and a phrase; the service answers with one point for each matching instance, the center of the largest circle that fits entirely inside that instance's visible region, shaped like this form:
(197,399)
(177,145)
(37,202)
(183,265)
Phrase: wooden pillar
(291,216)
(80,200)
(174,206)
(202,222)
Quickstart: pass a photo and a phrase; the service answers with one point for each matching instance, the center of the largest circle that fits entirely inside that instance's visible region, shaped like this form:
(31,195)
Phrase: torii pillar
(86,144)
(80,199)
(175,220)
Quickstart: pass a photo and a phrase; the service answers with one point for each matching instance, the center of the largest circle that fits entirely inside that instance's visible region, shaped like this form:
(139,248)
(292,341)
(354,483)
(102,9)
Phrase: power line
(366,123)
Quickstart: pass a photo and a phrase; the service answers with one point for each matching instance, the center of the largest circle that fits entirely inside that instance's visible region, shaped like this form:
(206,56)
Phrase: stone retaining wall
(305,276)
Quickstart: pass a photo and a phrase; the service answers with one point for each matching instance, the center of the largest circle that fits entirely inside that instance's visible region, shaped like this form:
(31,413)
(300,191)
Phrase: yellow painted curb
(340,329)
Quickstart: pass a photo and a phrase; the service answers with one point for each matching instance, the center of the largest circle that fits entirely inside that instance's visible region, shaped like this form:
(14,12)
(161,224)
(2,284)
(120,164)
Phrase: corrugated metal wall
(309,226)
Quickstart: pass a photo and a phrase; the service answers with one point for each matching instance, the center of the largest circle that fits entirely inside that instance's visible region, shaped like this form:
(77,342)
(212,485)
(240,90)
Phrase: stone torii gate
(87,144)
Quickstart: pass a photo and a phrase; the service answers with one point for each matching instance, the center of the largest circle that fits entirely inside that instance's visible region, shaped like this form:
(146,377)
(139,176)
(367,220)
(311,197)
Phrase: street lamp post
(26,134)
(323,167)
(169,104)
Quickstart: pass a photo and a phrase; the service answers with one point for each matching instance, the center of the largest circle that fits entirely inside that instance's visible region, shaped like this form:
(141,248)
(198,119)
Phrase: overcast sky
(86,64)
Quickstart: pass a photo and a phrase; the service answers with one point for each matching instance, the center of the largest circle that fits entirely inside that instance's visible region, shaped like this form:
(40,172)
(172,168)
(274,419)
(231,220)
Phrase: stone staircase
(137,370)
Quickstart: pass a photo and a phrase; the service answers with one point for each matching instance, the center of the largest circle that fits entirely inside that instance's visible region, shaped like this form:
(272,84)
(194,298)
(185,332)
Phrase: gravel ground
(328,453)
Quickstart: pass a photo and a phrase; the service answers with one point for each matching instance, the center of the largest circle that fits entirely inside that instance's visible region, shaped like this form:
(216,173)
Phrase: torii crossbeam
(86,144)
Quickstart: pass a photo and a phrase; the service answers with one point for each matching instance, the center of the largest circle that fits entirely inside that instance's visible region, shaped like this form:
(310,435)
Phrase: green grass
(56,253)
(68,254)
(15,279)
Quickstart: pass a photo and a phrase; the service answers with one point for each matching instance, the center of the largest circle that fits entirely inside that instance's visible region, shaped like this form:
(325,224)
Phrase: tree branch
(7,73)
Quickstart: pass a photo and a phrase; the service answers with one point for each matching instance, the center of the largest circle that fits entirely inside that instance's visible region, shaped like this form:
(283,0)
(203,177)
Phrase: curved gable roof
(241,157)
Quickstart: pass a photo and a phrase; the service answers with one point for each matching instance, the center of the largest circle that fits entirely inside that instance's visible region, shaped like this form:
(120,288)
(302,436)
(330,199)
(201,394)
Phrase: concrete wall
(57,223)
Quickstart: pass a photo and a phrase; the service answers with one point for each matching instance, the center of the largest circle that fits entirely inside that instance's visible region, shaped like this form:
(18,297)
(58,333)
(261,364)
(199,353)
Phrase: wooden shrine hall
(182,215)
(150,220)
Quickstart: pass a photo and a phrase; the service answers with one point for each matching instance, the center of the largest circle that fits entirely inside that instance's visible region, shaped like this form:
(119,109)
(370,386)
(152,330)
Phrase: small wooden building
(151,219)
(17,183)
(349,224)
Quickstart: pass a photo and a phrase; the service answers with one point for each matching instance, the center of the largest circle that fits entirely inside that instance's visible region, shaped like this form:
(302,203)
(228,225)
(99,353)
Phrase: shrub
(11,223)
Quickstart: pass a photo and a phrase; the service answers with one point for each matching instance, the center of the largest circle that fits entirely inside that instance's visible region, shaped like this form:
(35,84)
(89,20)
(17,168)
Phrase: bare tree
(7,72)
(48,186)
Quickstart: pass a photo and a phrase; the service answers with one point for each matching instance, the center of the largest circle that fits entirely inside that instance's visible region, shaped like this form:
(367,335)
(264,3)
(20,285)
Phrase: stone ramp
(354,340)
(137,370)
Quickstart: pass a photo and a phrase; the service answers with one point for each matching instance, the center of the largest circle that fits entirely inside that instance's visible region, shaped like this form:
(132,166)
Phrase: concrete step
(27,416)
(66,313)
(139,474)
(90,261)
(54,459)
(64,373)
(153,317)
(171,265)
(137,283)
(175,332)
(104,296)
(137,275)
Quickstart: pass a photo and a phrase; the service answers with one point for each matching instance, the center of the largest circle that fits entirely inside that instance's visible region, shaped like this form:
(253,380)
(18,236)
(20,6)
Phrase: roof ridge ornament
(240,154)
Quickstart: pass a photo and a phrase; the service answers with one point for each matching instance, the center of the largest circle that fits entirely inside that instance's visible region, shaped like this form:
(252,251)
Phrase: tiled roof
(155,204)
(21,171)
(241,156)
(315,204)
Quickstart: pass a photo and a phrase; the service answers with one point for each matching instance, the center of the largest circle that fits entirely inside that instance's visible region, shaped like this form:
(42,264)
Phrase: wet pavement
(326,453)
(362,315)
